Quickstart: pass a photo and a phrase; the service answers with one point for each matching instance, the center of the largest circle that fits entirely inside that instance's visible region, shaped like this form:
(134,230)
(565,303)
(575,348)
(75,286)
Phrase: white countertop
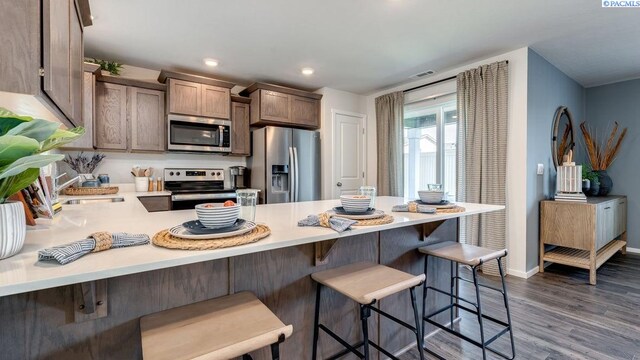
(23,273)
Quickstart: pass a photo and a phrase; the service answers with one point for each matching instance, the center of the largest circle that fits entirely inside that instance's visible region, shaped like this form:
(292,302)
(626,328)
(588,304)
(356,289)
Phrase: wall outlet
(540,169)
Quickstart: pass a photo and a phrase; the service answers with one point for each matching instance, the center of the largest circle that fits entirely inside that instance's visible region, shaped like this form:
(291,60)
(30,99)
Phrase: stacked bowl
(355,203)
(216,216)
(431,196)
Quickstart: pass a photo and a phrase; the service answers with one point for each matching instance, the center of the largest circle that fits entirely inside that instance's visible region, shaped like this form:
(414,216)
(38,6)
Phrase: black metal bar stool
(366,283)
(474,257)
(221,328)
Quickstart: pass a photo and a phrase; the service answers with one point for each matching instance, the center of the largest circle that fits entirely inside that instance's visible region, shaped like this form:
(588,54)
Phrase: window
(430,136)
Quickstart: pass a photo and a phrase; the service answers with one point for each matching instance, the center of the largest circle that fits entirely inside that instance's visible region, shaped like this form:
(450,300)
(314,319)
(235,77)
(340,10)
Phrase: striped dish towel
(413,207)
(99,241)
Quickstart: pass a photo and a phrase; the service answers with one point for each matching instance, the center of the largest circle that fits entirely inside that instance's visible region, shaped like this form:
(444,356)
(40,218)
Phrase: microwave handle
(221,135)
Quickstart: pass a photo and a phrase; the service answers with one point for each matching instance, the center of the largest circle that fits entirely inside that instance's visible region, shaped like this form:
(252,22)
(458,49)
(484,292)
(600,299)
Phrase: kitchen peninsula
(39,301)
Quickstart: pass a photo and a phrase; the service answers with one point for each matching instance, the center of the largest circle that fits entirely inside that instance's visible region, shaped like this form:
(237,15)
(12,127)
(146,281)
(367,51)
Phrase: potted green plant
(112,67)
(23,143)
(590,181)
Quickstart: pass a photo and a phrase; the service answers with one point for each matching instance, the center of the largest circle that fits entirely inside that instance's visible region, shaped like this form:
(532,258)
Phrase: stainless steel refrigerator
(285,164)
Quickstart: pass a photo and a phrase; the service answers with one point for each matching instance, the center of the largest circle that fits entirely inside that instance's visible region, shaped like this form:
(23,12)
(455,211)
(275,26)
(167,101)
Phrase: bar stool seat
(462,253)
(367,282)
(221,328)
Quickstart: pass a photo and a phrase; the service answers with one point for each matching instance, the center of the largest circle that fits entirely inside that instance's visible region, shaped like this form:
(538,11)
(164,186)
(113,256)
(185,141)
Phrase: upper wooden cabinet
(278,105)
(185,97)
(145,111)
(88,115)
(111,116)
(240,134)
(44,61)
(197,95)
(130,115)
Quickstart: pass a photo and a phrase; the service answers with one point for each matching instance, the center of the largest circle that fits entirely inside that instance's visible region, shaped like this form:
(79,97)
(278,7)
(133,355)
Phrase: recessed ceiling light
(210,62)
(307,71)
(92,17)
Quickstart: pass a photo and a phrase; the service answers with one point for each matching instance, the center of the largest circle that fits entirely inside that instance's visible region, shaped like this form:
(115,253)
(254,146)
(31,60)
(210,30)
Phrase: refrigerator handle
(292,179)
(297,174)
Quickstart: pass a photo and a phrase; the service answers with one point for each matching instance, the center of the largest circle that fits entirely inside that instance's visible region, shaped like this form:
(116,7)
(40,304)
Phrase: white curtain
(482,153)
(389,128)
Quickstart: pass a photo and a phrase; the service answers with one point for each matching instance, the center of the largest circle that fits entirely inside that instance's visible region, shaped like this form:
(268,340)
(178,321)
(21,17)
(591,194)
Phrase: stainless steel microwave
(190,133)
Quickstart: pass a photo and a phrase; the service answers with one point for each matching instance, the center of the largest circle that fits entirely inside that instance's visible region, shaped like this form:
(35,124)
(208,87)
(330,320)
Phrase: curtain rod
(433,83)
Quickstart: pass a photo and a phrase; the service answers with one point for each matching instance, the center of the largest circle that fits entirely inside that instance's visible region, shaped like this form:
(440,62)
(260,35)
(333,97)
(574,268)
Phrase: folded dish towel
(99,241)
(413,207)
(326,220)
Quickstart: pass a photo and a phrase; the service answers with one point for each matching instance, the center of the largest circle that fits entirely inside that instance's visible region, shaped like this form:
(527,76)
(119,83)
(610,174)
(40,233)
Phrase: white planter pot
(13,228)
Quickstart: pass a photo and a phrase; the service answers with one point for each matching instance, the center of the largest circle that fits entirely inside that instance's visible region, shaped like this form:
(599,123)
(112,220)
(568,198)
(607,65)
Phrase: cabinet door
(145,111)
(111,116)
(605,224)
(304,112)
(77,64)
(620,216)
(56,43)
(274,106)
(215,102)
(240,143)
(185,97)
(88,113)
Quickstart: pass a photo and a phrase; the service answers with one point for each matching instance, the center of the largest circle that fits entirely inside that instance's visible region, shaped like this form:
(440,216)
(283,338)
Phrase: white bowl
(431,197)
(355,203)
(216,216)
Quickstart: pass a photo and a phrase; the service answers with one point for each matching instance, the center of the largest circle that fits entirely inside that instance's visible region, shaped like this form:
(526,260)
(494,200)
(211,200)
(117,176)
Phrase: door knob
(339,184)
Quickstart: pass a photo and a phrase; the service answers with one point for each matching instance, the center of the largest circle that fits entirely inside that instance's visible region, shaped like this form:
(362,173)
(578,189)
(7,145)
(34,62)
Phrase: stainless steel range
(190,187)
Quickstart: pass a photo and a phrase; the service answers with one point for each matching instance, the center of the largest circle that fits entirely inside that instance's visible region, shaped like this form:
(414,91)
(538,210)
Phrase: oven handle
(187,197)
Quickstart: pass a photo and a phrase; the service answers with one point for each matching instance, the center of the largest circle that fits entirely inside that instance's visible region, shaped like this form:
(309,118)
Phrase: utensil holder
(141,183)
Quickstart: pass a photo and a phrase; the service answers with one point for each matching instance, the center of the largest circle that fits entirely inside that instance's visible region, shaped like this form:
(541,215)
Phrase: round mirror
(562,139)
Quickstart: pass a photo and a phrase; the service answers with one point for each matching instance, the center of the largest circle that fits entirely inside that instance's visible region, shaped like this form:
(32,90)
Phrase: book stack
(572,197)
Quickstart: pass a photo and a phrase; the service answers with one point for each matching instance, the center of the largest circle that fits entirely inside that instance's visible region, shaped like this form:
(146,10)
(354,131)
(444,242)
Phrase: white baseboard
(522,274)
(633,250)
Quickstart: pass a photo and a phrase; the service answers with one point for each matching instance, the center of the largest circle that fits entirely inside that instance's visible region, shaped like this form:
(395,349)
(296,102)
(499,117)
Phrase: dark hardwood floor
(558,315)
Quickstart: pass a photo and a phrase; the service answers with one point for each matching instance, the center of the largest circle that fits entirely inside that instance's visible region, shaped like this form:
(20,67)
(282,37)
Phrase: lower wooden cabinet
(240,134)
(156,203)
(129,118)
(585,234)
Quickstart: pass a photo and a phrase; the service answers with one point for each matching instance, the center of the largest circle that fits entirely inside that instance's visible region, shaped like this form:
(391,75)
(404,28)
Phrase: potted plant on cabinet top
(590,182)
(23,140)
(601,155)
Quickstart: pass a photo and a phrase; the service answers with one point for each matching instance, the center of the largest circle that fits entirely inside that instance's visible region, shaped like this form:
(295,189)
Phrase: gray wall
(621,102)
(547,89)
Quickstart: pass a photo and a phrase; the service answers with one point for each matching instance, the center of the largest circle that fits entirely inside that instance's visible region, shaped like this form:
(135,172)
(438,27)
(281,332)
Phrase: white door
(348,152)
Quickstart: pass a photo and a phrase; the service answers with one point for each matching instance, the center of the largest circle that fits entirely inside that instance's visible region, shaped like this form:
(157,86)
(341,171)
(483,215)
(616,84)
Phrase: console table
(585,234)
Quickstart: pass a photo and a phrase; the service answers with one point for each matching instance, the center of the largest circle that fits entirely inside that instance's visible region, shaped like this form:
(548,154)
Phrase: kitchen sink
(92,201)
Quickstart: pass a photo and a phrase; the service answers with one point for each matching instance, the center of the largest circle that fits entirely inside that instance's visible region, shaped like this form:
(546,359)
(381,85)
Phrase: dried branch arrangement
(563,147)
(602,155)
(84,164)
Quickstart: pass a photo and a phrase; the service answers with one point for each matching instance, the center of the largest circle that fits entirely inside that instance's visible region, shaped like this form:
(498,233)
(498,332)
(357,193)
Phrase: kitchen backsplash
(118,165)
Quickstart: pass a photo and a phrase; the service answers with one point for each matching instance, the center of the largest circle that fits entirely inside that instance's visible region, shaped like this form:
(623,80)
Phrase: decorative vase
(586,185)
(13,228)
(594,189)
(605,182)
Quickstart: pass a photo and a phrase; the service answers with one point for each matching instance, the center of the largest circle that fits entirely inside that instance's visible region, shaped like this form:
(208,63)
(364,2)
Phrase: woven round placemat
(164,239)
(387,219)
(80,191)
(456,209)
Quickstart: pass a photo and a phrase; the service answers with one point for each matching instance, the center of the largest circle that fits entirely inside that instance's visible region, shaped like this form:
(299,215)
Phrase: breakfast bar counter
(39,300)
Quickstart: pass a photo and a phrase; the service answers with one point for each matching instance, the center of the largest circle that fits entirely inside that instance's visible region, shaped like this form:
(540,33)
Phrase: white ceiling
(362,45)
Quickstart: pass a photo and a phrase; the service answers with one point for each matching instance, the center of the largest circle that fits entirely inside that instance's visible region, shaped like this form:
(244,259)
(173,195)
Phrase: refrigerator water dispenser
(280,178)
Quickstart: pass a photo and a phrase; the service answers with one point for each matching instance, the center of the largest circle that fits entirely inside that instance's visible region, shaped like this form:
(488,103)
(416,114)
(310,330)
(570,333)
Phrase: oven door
(189,133)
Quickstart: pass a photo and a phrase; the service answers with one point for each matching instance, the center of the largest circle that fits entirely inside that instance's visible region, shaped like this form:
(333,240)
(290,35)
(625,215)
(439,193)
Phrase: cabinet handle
(608,207)
(621,203)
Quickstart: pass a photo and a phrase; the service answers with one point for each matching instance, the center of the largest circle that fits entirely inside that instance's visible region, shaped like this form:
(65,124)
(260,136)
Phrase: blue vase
(605,182)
